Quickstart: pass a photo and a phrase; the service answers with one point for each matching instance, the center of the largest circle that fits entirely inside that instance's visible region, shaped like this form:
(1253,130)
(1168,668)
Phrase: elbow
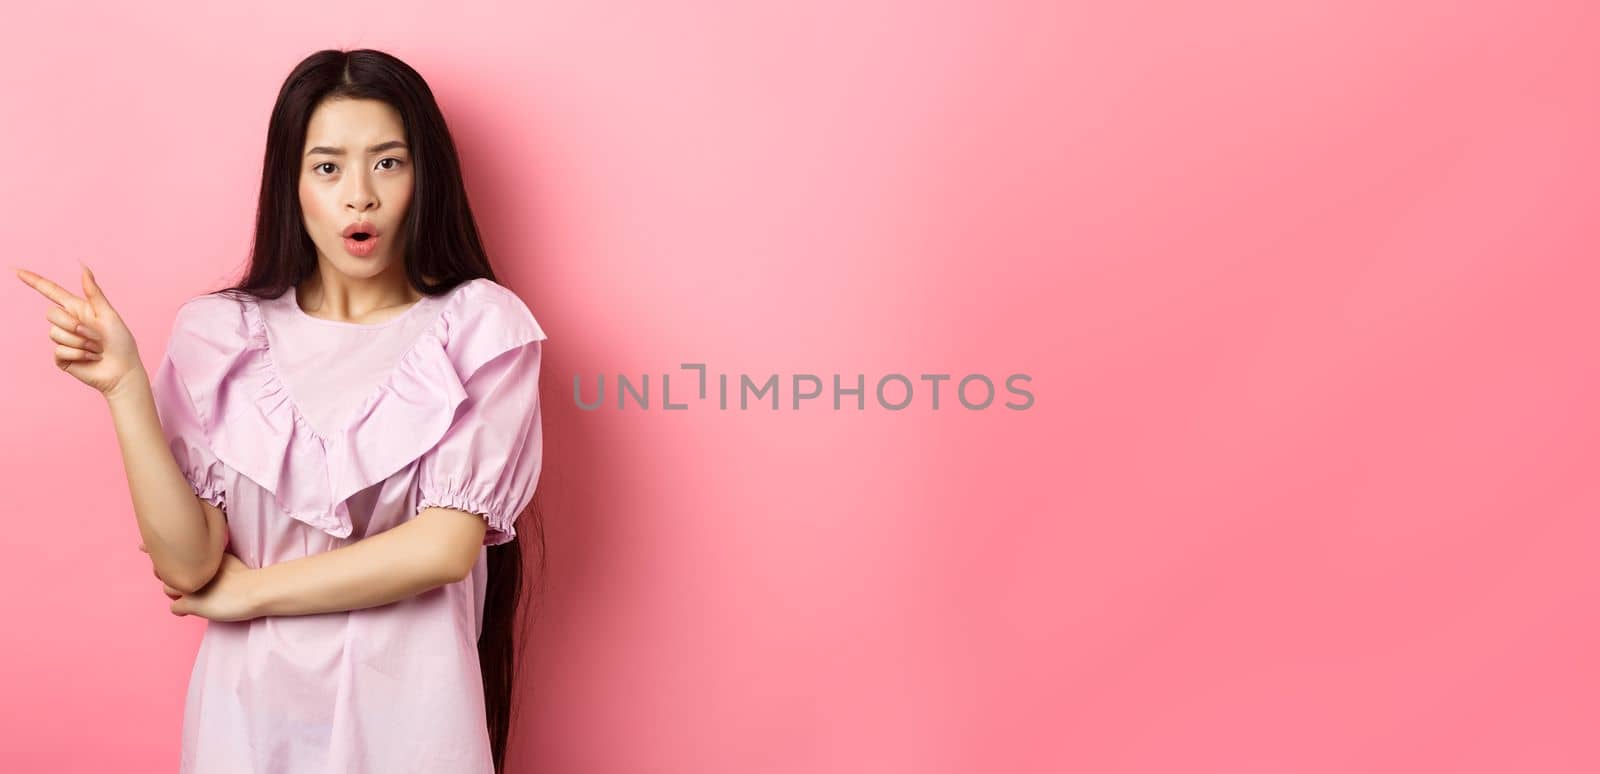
(190,576)
(452,562)
(188,580)
(454,568)
(185,582)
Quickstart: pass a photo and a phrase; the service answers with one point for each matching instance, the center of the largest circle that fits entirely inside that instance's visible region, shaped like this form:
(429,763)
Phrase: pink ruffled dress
(312,434)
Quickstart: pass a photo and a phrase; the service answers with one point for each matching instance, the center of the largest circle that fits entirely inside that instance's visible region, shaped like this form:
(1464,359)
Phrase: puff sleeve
(185,432)
(488,462)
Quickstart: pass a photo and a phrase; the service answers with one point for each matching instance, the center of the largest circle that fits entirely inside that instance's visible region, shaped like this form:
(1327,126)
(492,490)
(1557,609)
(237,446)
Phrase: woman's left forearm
(421,554)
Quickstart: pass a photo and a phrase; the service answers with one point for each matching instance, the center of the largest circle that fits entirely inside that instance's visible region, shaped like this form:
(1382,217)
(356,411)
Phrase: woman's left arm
(438,547)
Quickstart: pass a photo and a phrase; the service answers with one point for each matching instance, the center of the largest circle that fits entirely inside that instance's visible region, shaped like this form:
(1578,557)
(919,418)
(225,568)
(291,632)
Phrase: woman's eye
(397,163)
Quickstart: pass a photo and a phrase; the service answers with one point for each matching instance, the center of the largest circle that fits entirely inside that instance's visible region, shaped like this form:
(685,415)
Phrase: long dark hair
(441,243)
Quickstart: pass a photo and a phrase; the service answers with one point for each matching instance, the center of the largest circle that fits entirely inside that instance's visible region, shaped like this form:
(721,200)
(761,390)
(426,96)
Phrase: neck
(334,296)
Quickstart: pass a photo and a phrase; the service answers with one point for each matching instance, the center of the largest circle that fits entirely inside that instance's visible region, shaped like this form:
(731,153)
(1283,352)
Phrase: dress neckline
(292,296)
(275,383)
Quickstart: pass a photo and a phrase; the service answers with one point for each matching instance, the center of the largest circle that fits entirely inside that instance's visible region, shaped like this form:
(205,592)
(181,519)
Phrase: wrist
(133,385)
(257,601)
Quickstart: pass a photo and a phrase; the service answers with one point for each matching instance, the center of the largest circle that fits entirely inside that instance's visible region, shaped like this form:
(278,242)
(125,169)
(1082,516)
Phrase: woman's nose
(361,196)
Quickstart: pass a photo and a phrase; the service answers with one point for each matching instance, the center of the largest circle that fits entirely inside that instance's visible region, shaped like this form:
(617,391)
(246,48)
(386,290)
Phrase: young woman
(330,447)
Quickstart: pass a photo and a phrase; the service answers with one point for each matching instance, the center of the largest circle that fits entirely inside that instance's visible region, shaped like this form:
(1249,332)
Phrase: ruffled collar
(255,428)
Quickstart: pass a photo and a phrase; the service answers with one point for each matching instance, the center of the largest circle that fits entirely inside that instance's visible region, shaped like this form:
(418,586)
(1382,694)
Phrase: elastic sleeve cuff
(501,527)
(208,489)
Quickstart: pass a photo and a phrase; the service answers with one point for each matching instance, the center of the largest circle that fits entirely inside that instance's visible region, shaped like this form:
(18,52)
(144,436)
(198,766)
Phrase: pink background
(1307,295)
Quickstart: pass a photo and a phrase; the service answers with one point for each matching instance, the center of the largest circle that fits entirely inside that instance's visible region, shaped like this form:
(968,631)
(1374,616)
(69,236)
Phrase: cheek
(399,199)
(308,203)
(313,204)
(400,188)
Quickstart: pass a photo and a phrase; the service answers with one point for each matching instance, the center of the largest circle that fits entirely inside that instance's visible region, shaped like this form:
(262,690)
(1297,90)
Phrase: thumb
(91,289)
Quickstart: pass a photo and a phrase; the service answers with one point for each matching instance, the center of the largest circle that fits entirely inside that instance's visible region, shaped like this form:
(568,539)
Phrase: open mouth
(361,243)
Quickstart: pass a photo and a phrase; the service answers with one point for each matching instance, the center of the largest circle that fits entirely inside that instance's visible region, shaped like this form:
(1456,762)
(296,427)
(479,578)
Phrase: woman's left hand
(228,597)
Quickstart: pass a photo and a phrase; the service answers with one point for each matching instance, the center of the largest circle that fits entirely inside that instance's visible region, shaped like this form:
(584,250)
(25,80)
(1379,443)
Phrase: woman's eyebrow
(337,151)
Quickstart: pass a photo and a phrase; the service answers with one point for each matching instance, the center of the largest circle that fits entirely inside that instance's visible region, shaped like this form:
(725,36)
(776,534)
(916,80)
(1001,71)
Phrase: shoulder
(212,321)
(485,308)
(484,320)
(210,307)
(212,339)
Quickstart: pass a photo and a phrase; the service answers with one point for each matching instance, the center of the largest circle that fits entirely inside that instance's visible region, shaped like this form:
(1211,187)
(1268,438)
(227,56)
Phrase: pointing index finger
(52,291)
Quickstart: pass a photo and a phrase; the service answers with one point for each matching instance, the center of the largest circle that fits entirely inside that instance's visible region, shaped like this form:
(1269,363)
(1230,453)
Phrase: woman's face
(356,169)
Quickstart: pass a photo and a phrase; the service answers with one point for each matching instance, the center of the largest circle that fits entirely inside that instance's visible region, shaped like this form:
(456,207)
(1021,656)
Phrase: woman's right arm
(184,535)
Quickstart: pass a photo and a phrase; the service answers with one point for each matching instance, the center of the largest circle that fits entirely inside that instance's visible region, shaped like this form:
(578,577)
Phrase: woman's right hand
(92,342)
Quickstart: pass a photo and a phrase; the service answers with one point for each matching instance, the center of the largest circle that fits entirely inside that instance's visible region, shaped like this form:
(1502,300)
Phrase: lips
(360,231)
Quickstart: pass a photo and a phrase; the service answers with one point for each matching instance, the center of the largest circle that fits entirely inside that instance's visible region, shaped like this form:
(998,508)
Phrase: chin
(351,266)
(365,268)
